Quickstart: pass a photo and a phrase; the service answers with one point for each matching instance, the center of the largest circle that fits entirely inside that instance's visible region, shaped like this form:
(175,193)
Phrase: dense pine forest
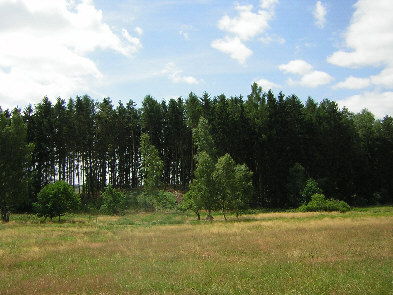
(91,144)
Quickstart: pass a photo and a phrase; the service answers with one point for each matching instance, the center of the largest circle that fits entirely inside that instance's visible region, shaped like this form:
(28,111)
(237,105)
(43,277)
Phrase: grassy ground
(158,253)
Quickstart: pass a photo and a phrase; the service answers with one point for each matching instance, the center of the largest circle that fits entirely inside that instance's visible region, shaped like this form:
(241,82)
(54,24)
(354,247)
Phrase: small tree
(311,188)
(224,176)
(15,155)
(295,184)
(113,201)
(55,199)
(234,185)
(202,193)
(192,201)
(244,188)
(152,166)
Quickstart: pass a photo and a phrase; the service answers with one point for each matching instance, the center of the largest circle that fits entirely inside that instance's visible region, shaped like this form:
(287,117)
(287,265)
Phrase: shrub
(164,200)
(114,202)
(55,199)
(318,202)
(311,188)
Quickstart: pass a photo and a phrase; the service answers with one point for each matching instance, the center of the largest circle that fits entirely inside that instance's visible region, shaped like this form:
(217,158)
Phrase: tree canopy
(281,139)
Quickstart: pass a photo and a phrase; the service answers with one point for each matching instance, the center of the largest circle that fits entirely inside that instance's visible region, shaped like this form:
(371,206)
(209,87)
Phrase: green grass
(167,253)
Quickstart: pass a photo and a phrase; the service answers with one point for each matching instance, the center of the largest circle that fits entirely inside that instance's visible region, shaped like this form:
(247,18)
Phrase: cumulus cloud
(132,40)
(247,23)
(45,46)
(309,76)
(245,26)
(315,79)
(368,41)
(298,66)
(266,84)
(268,4)
(384,78)
(176,76)
(379,103)
(234,47)
(353,83)
(319,14)
(369,37)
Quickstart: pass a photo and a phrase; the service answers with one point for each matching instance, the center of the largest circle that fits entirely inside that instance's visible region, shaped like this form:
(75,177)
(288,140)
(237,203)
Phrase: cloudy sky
(126,49)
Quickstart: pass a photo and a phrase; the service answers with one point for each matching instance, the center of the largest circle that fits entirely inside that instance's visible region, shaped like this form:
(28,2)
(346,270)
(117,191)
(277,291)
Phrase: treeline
(91,144)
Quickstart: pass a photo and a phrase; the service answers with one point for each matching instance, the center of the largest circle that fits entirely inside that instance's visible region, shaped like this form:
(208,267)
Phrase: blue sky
(126,49)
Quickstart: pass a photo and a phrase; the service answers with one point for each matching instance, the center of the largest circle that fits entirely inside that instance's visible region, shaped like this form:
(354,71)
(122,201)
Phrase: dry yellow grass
(293,253)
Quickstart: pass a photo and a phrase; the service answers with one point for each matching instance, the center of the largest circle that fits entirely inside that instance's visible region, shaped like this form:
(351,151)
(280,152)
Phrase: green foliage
(114,202)
(224,176)
(202,192)
(164,200)
(224,186)
(152,166)
(203,138)
(55,199)
(117,202)
(192,201)
(234,186)
(318,202)
(15,155)
(244,188)
(311,188)
(89,143)
(295,185)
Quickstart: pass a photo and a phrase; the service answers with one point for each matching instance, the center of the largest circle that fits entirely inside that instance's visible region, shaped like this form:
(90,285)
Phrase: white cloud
(268,4)
(175,75)
(184,31)
(266,84)
(185,35)
(309,76)
(369,42)
(369,37)
(297,66)
(353,83)
(139,31)
(379,103)
(245,26)
(319,14)
(45,46)
(234,47)
(132,40)
(315,79)
(384,78)
(268,39)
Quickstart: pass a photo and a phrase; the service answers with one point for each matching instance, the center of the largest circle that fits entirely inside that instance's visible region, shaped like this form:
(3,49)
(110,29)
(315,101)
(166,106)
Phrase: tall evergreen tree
(15,155)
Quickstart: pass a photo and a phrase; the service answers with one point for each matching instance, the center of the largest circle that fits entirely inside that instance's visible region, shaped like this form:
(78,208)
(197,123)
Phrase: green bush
(311,188)
(55,199)
(113,201)
(165,200)
(144,201)
(318,202)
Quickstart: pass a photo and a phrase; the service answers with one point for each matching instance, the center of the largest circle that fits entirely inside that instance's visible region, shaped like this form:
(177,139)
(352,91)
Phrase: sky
(127,49)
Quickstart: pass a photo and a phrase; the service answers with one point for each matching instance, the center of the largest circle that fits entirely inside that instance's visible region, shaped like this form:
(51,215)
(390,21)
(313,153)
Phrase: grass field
(167,253)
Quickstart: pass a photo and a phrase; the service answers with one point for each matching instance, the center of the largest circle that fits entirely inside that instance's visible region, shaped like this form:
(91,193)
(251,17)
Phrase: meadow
(173,253)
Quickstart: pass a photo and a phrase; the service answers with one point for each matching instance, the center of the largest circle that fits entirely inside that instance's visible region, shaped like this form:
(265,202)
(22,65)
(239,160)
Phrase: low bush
(311,188)
(318,202)
(164,200)
(55,199)
(113,201)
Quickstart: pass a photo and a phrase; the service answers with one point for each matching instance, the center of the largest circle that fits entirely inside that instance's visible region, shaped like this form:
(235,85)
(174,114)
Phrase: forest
(92,144)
